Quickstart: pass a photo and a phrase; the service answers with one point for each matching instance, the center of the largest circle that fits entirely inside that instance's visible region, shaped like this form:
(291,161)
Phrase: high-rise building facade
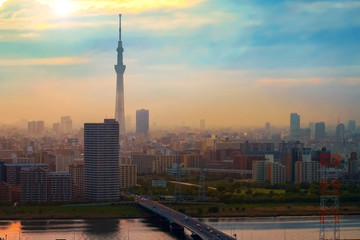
(34,184)
(340,132)
(120,69)
(142,122)
(352,126)
(66,124)
(36,128)
(101,160)
(294,125)
(306,172)
(59,187)
(127,175)
(319,130)
(77,181)
(202,124)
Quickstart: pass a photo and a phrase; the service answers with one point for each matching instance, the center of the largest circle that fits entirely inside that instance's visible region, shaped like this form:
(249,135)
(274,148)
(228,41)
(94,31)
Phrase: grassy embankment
(195,209)
(70,212)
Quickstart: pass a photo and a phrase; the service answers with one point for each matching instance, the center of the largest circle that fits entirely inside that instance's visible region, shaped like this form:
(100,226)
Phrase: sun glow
(1,2)
(61,7)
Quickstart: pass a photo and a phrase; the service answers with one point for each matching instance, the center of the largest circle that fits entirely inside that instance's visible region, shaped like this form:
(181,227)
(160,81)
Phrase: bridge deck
(196,227)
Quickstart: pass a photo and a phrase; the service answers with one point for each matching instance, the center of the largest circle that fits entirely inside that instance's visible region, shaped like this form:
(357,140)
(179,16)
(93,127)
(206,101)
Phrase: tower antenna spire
(119,27)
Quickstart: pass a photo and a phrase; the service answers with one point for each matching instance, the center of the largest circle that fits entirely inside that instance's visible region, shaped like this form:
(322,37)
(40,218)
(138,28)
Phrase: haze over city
(233,63)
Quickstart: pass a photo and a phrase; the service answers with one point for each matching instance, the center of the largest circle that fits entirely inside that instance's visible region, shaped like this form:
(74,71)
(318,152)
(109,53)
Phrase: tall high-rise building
(294,125)
(142,122)
(66,124)
(319,130)
(352,126)
(120,69)
(36,127)
(202,124)
(77,181)
(101,160)
(340,132)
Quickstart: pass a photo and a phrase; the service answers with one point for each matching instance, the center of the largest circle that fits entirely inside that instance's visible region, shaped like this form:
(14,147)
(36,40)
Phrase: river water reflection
(289,228)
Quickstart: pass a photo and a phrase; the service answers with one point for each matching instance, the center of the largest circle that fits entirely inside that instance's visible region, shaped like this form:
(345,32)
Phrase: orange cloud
(43,61)
(287,82)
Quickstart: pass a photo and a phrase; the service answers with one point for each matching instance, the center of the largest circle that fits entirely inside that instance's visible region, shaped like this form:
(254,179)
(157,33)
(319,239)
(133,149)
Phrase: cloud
(287,82)
(43,61)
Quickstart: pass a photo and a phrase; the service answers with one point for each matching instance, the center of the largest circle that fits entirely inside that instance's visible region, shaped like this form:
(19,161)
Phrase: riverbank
(191,209)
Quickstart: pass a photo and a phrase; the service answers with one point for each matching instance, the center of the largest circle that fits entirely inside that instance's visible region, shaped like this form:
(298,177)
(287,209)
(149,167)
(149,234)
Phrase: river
(289,228)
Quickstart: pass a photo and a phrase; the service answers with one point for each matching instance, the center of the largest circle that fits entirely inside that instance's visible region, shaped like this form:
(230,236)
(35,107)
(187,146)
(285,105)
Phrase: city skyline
(233,64)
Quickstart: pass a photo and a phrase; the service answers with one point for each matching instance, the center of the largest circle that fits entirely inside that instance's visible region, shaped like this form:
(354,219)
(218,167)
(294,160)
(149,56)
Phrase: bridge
(178,220)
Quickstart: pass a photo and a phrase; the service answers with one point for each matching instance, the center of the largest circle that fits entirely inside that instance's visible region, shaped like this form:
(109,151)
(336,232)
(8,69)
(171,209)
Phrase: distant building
(59,188)
(32,128)
(36,128)
(352,126)
(294,125)
(319,130)
(77,181)
(2,172)
(5,192)
(56,128)
(353,163)
(13,171)
(306,172)
(202,124)
(127,175)
(34,184)
(144,163)
(66,124)
(268,171)
(101,160)
(142,122)
(340,132)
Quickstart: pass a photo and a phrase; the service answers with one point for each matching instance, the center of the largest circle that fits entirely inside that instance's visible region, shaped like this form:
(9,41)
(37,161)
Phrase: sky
(233,63)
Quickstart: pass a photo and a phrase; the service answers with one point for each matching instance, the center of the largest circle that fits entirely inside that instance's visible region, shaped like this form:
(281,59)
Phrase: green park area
(228,197)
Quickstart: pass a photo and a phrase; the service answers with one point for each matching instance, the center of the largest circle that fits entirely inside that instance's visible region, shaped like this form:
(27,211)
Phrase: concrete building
(59,188)
(101,160)
(77,181)
(127,176)
(36,128)
(268,171)
(351,126)
(13,171)
(2,172)
(193,160)
(142,122)
(34,184)
(306,172)
(320,131)
(294,125)
(202,124)
(144,163)
(353,163)
(66,124)
(340,132)
(5,192)
(120,69)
